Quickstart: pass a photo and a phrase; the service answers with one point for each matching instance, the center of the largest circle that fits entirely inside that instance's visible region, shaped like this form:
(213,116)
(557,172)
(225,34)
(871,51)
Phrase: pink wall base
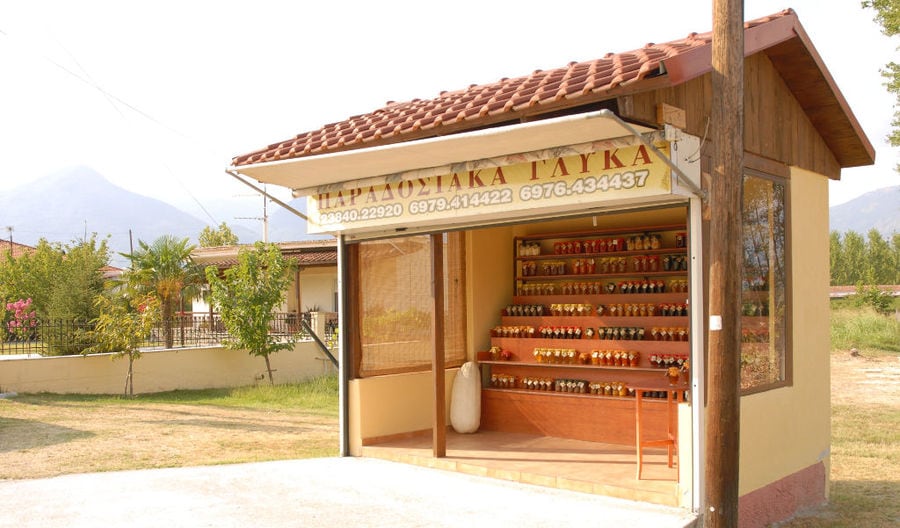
(781,500)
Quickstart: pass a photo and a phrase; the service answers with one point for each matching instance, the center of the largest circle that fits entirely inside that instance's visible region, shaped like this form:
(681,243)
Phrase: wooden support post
(723,407)
(439,424)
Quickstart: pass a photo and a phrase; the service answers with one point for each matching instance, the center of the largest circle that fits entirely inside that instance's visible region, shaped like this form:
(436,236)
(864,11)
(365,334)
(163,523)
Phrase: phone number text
(461,201)
(586,185)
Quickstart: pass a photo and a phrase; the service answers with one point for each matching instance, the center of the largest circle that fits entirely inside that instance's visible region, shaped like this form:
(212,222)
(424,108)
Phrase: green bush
(871,296)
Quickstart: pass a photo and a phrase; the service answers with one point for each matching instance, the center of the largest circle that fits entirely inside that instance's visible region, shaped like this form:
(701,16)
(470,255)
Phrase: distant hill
(879,209)
(285,226)
(65,205)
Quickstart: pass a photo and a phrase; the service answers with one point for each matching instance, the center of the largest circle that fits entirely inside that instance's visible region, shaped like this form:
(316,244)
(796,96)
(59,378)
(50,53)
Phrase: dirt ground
(42,440)
(865,379)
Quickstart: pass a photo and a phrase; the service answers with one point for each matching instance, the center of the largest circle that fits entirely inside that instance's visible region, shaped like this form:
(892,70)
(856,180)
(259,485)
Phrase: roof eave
(786,44)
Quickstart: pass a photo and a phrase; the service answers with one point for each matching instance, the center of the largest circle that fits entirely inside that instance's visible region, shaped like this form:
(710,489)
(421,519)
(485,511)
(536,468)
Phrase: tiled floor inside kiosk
(589,467)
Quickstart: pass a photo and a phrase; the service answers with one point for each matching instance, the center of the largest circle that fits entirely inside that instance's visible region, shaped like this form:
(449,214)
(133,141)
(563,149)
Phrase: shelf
(605,232)
(595,321)
(602,298)
(605,254)
(549,342)
(592,417)
(571,394)
(584,276)
(571,366)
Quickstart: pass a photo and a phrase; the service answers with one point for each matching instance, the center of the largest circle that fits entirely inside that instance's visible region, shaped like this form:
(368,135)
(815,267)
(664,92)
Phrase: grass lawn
(43,435)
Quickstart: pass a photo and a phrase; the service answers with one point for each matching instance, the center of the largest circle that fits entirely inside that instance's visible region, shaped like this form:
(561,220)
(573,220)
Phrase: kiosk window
(396,305)
(764,301)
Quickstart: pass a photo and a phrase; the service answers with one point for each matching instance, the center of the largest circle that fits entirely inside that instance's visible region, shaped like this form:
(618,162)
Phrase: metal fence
(189,329)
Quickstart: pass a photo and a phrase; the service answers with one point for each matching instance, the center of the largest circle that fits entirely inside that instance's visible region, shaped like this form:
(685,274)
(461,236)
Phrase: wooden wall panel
(775,127)
(594,419)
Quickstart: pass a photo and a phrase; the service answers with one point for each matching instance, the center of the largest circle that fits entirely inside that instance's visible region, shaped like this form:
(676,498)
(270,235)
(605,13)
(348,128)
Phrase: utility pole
(723,410)
(264,218)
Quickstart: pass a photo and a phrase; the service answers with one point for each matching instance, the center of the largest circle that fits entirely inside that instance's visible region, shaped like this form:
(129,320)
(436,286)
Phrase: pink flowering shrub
(24,319)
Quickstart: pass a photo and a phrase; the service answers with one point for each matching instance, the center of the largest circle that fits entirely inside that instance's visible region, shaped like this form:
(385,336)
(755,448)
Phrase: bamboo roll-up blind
(396,305)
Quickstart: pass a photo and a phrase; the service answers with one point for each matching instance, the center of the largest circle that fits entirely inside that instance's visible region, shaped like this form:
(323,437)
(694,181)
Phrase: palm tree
(166,270)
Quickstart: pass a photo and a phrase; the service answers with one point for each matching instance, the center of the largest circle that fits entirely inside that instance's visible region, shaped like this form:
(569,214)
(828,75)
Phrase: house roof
(306,253)
(17,249)
(654,66)
(840,292)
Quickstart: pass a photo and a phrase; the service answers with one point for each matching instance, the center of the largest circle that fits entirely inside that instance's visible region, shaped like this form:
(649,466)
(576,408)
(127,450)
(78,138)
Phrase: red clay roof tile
(403,121)
(15,249)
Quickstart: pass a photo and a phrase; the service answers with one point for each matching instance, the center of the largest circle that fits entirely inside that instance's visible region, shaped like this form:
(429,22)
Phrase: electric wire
(115,101)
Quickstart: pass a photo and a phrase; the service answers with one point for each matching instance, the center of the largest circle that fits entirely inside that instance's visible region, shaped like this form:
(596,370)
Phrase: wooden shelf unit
(584,416)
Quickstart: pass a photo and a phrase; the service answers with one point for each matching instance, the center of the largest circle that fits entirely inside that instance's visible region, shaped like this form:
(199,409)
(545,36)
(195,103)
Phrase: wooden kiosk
(551,228)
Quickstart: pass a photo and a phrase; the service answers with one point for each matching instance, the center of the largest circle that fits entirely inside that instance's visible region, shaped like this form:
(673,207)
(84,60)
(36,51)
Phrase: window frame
(787,375)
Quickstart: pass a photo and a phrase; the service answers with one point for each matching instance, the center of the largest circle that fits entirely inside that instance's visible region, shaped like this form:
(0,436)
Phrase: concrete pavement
(325,492)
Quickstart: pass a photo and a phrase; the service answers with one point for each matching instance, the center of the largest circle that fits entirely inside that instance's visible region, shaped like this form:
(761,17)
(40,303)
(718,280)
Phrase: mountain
(67,205)
(879,209)
(284,225)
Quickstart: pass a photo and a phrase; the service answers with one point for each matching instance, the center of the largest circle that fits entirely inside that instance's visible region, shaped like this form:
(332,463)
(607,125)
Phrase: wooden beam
(439,424)
(724,331)
(667,114)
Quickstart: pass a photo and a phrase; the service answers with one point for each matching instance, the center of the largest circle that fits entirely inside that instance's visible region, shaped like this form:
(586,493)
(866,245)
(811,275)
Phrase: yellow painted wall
(788,429)
(392,405)
(489,283)
(159,370)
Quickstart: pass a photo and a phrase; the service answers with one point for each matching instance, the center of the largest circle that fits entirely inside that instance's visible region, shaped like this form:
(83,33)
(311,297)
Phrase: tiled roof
(305,253)
(17,249)
(838,292)
(483,105)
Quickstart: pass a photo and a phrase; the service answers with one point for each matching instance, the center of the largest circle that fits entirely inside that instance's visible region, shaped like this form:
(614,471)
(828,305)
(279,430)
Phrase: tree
(83,279)
(895,251)
(122,325)
(855,256)
(217,236)
(838,261)
(246,296)
(62,281)
(887,14)
(166,270)
(878,259)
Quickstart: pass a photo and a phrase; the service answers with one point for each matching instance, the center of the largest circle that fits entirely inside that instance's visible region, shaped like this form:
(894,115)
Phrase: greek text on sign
(571,179)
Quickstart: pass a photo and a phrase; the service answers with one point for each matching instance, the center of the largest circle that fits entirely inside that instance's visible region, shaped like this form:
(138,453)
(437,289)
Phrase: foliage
(864,329)
(874,298)
(887,14)
(165,270)
(217,236)
(61,280)
(121,327)
(4,319)
(23,321)
(871,260)
(246,296)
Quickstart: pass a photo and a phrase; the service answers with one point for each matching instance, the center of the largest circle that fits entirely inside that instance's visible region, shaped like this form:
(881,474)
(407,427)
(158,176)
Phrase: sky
(160,96)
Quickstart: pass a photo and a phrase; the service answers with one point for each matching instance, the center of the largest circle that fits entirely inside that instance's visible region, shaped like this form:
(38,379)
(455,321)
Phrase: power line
(113,99)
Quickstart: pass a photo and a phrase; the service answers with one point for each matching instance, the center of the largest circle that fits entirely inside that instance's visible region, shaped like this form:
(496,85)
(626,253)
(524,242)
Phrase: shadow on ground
(16,434)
